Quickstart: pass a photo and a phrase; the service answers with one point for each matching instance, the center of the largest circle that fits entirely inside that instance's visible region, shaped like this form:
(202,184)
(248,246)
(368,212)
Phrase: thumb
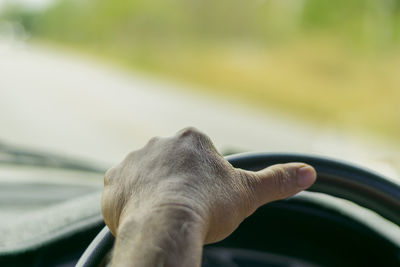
(280,181)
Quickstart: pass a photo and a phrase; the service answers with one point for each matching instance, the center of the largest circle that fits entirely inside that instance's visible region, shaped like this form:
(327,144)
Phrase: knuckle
(197,138)
(153,140)
(130,156)
(281,180)
(114,174)
(189,131)
(109,176)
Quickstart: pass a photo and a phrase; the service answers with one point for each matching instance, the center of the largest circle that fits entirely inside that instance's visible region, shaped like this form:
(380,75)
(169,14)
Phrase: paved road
(63,103)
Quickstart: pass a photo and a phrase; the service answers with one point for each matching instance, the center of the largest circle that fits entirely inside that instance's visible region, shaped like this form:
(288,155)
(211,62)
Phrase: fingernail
(305,176)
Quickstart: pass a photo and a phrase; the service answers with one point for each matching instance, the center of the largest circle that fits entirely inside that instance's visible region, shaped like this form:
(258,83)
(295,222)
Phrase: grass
(316,78)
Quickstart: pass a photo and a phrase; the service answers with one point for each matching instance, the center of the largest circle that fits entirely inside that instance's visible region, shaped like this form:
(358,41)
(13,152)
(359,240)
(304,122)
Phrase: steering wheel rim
(336,178)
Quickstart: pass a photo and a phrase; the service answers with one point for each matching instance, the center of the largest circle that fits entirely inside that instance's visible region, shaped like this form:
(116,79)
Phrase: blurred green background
(336,63)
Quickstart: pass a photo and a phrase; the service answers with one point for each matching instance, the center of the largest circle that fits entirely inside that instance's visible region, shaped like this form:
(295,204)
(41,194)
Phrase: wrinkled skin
(166,200)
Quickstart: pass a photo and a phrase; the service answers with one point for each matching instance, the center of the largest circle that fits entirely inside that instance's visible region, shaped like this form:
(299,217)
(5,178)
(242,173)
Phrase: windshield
(82,83)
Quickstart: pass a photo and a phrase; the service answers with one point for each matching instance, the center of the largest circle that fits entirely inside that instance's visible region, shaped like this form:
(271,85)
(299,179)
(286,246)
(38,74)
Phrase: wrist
(163,236)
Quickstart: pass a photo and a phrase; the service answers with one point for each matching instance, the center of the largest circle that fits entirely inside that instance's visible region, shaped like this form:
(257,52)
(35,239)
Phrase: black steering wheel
(365,189)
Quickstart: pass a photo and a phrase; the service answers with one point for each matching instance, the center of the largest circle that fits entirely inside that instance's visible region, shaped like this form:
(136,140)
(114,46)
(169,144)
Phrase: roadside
(58,102)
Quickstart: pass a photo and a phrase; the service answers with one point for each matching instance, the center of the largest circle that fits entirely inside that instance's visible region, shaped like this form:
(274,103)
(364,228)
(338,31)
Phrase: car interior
(349,217)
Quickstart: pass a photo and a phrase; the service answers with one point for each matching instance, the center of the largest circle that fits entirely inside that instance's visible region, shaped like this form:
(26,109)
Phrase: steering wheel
(337,179)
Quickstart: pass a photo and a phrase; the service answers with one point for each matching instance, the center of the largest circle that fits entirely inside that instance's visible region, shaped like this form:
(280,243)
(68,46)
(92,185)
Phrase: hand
(164,201)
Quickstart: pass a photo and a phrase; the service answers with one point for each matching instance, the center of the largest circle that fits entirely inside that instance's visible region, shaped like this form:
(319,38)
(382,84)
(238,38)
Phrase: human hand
(164,201)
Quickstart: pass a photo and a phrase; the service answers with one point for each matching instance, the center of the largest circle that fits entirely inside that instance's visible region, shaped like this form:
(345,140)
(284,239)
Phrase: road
(76,106)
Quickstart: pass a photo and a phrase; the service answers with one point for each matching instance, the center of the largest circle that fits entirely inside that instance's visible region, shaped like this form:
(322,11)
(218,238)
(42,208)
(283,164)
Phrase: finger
(280,181)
